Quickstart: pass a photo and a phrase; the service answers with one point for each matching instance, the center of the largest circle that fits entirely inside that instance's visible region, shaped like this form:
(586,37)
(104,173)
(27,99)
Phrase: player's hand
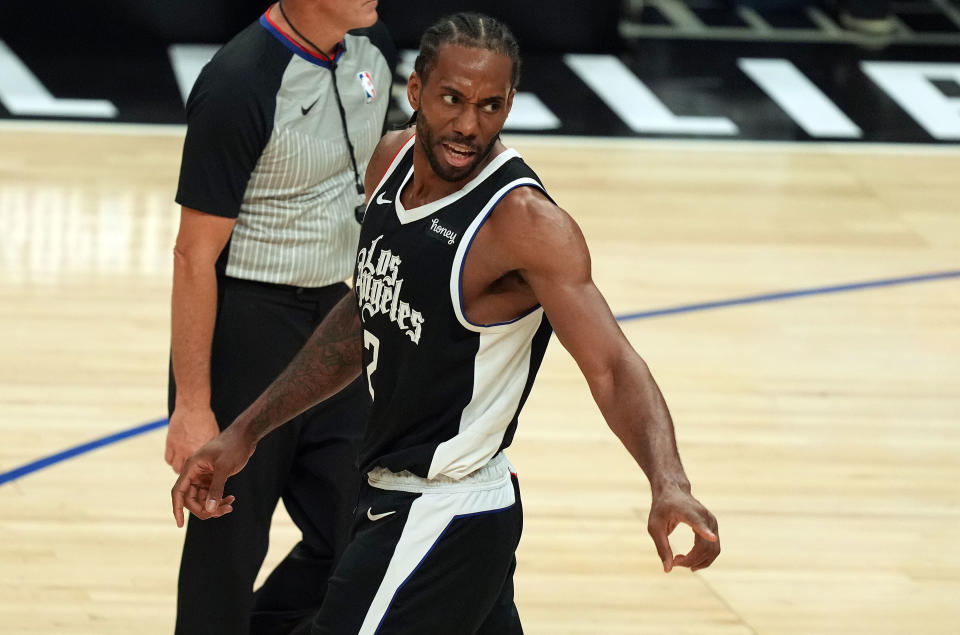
(675,506)
(188,431)
(200,486)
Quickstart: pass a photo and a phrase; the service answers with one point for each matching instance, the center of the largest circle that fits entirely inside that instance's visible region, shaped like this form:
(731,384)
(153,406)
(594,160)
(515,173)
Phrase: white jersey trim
(500,371)
(417,213)
(501,367)
(401,153)
(460,258)
(490,476)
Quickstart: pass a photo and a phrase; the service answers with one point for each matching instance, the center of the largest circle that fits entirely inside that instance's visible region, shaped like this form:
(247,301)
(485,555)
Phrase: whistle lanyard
(359,210)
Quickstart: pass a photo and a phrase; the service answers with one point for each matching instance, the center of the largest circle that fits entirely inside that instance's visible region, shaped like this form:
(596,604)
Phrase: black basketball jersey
(446,392)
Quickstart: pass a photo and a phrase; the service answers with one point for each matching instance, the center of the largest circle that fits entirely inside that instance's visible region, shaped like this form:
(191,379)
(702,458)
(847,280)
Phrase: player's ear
(413,91)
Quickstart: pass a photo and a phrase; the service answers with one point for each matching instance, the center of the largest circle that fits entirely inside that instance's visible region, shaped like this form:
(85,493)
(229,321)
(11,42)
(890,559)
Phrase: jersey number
(370,341)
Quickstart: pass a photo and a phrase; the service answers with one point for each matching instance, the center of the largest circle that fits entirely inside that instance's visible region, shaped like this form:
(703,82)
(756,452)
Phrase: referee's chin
(368,13)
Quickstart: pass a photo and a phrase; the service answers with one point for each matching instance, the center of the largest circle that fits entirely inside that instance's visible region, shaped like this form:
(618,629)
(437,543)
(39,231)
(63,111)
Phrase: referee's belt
(330,293)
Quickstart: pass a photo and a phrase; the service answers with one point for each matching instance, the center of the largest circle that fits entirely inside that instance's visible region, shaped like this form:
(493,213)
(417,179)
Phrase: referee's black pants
(310,463)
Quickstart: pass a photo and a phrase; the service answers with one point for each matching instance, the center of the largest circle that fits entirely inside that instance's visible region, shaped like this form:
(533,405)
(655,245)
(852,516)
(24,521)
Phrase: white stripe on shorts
(429,517)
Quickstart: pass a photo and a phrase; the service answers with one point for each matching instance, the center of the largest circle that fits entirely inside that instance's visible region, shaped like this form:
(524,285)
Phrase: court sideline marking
(53,459)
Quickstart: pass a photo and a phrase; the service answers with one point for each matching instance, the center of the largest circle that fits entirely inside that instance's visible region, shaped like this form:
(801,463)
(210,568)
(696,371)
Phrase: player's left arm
(547,248)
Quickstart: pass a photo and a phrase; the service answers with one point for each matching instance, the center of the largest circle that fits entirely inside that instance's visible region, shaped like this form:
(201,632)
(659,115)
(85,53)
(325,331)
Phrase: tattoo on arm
(328,362)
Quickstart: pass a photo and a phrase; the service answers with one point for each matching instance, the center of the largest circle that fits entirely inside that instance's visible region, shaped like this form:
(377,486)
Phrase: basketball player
(464,265)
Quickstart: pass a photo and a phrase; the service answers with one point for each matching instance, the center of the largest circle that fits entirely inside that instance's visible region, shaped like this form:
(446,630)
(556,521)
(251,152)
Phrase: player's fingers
(690,560)
(195,498)
(710,554)
(215,492)
(702,565)
(177,462)
(658,533)
(222,510)
(226,501)
(168,454)
(177,495)
(699,564)
(701,555)
(193,495)
(196,506)
(705,532)
(703,524)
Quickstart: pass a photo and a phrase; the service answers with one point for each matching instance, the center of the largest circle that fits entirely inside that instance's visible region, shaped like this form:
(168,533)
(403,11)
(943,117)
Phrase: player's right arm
(327,363)
(200,240)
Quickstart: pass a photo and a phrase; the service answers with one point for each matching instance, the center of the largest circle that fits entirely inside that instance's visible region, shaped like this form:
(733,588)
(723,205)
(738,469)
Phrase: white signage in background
(910,85)
(22,94)
(187,60)
(800,98)
(529,113)
(636,104)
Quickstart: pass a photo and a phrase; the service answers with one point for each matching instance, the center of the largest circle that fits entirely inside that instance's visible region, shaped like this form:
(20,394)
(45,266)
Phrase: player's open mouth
(458,155)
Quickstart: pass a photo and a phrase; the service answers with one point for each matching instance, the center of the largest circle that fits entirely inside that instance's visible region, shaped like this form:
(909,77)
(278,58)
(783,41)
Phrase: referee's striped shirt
(265,145)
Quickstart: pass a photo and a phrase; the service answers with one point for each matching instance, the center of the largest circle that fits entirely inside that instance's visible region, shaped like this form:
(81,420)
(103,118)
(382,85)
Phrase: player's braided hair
(473,30)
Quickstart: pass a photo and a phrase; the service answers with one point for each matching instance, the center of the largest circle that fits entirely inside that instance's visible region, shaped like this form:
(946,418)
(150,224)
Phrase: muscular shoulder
(528,216)
(383,155)
(529,232)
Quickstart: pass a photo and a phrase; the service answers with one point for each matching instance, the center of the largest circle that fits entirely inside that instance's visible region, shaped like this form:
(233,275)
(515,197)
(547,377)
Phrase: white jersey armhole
(460,258)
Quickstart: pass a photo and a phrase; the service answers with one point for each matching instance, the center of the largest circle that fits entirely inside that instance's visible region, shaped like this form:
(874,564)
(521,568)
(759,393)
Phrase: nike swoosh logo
(376,517)
(307,109)
(381,200)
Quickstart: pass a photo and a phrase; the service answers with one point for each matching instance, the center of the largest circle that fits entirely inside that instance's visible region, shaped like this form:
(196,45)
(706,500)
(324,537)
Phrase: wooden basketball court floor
(823,429)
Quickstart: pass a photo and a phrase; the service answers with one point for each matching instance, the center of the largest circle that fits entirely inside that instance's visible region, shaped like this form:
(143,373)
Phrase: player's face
(462,107)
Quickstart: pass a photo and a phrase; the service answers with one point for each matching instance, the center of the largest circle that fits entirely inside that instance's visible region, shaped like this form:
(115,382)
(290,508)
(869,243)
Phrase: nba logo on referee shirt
(366,81)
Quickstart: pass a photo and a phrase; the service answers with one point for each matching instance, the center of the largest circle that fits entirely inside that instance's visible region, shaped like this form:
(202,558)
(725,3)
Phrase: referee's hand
(188,431)
(200,485)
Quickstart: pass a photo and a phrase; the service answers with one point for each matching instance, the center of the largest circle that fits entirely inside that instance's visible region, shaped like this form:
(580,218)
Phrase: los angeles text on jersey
(379,286)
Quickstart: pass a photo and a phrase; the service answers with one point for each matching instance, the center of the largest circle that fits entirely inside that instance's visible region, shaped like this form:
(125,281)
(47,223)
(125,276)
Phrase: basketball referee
(280,126)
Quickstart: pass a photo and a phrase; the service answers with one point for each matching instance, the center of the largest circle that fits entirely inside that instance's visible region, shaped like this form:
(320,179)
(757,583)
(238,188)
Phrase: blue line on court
(47,461)
(770,297)
(685,308)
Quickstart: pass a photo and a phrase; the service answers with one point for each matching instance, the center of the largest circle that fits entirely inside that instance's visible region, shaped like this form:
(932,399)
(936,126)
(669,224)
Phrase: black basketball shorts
(429,557)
